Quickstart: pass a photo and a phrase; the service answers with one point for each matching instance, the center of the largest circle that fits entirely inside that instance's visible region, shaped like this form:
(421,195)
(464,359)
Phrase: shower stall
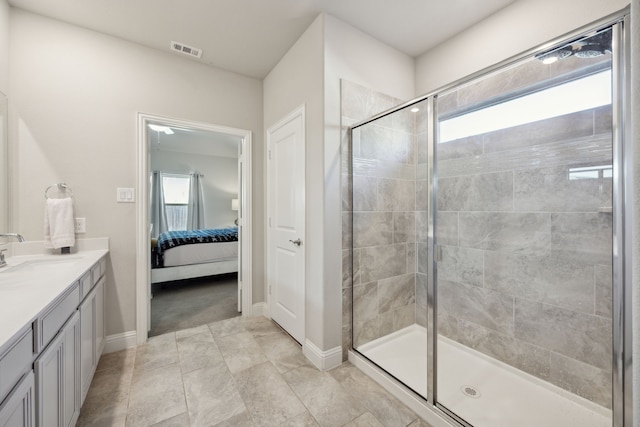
(486,241)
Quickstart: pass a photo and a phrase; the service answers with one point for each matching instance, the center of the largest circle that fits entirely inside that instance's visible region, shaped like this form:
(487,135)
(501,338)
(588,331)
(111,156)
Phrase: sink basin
(44,265)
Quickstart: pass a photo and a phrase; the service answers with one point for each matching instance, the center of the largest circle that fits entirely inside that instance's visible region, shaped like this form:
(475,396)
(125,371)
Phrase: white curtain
(195,208)
(158,216)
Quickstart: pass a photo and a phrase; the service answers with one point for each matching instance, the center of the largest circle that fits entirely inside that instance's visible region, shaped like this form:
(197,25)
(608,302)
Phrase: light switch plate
(125,195)
(81,225)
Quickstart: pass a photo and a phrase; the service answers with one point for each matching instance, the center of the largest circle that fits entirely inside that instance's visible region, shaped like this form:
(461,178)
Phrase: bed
(187,254)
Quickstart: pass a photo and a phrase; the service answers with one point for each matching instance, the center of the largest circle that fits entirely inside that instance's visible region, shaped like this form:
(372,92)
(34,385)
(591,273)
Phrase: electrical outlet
(81,225)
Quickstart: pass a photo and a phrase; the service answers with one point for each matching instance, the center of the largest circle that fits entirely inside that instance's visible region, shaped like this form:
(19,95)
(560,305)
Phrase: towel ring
(61,186)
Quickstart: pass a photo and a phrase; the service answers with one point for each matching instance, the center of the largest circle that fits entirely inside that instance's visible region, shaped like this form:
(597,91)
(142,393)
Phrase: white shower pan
(483,391)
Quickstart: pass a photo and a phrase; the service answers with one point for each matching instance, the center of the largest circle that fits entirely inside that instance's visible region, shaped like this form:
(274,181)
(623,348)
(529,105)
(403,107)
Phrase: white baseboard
(323,360)
(260,309)
(120,341)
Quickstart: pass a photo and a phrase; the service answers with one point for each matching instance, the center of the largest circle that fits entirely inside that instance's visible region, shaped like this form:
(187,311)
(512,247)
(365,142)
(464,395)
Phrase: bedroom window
(176,198)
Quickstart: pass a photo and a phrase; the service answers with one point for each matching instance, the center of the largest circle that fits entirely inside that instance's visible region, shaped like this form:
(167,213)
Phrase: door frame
(298,112)
(143,258)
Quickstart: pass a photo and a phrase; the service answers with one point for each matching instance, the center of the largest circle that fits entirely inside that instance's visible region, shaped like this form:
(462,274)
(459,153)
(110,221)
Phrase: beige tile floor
(236,372)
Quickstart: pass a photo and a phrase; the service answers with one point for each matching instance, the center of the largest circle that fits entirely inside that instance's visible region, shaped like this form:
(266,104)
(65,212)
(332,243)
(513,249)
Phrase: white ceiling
(250,36)
(195,141)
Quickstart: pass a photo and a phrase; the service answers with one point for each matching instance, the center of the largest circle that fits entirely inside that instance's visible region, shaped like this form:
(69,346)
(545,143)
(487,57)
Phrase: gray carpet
(188,303)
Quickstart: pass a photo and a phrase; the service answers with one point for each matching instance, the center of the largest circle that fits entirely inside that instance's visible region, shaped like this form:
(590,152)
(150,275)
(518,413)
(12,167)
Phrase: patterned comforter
(171,239)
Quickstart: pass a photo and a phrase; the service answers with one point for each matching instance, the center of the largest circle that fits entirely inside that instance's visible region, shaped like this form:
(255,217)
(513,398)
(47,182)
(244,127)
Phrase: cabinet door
(48,369)
(18,409)
(87,342)
(16,362)
(71,372)
(99,347)
(91,335)
(57,380)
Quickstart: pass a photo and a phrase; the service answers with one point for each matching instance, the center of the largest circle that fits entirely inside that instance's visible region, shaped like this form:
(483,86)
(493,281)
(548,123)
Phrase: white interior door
(286,223)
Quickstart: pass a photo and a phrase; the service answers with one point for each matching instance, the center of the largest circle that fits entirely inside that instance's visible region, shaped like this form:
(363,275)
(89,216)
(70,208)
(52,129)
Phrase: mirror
(4,172)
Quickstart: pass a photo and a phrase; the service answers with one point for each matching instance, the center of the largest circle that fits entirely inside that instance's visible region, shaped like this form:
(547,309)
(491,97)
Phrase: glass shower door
(389,240)
(524,229)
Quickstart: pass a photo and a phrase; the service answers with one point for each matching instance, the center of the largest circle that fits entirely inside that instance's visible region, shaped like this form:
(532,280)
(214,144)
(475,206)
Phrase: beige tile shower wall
(525,275)
(383,217)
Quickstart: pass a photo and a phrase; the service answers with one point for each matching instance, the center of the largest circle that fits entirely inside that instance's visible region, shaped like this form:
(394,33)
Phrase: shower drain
(470,391)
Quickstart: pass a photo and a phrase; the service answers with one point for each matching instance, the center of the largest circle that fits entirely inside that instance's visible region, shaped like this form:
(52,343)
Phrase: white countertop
(29,283)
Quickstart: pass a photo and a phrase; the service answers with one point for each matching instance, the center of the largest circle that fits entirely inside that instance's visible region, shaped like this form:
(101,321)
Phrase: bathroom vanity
(51,335)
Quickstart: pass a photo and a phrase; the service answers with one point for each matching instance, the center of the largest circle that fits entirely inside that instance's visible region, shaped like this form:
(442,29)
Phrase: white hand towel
(59,225)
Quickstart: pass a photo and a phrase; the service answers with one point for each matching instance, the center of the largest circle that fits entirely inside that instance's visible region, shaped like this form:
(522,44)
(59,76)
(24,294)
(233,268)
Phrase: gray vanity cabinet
(57,378)
(92,334)
(18,409)
(47,367)
(15,361)
(56,368)
(17,381)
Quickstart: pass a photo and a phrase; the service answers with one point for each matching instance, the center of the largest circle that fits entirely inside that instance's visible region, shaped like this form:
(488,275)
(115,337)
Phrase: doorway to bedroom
(196,187)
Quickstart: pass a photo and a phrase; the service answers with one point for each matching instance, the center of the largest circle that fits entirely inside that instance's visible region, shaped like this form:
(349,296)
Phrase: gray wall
(4,47)
(219,181)
(352,56)
(508,32)
(4,90)
(329,51)
(74,98)
(282,95)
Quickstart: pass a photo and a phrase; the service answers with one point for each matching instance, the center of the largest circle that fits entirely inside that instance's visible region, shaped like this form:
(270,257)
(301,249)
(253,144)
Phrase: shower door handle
(296,242)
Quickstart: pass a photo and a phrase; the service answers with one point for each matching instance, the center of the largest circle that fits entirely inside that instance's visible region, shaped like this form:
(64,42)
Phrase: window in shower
(524,224)
(585,93)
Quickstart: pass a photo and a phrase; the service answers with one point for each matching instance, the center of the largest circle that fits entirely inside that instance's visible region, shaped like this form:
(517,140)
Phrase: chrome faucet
(16,235)
(20,239)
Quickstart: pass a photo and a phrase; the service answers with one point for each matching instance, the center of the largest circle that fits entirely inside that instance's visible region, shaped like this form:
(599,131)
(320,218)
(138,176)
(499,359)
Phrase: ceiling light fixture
(594,46)
(415,109)
(591,50)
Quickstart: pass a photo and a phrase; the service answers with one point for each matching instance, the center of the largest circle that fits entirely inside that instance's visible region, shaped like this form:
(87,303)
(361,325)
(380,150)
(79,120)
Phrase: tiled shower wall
(384,217)
(422,205)
(525,275)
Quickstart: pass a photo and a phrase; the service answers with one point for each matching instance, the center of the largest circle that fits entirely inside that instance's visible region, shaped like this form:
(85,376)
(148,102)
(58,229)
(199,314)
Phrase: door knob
(296,242)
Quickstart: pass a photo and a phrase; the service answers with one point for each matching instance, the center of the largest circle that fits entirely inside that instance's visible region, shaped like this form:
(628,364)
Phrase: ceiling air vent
(187,50)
